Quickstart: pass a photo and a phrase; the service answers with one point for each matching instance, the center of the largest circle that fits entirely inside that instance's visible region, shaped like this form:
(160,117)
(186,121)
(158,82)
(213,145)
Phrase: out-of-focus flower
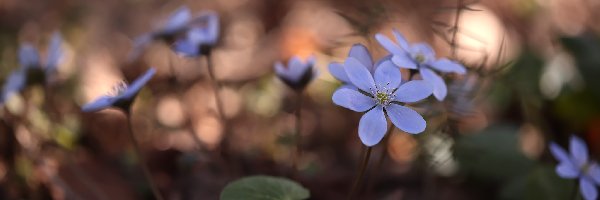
(202,35)
(31,68)
(297,74)
(124,94)
(177,23)
(380,93)
(577,165)
(420,57)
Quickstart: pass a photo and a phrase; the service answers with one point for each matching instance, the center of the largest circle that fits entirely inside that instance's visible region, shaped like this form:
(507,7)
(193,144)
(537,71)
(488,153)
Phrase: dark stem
(380,160)
(297,135)
(576,194)
(357,180)
(142,160)
(216,86)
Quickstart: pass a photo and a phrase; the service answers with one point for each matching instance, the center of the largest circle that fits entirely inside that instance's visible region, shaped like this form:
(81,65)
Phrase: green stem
(361,172)
(142,160)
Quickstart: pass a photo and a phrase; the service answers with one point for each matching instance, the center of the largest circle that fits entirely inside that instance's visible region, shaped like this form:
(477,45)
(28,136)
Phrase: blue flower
(358,52)
(176,23)
(577,165)
(380,93)
(297,74)
(31,68)
(421,57)
(202,35)
(124,94)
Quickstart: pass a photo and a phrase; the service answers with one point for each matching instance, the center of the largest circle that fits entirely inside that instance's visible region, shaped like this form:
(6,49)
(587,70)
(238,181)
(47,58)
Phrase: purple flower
(358,52)
(297,74)
(421,57)
(577,165)
(124,94)
(32,67)
(202,35)
(380,93)
(176,23)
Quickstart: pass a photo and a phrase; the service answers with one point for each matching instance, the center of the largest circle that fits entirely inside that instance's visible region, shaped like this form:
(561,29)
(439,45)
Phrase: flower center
(420,58)
(118,89)
(383,95)
(585,169)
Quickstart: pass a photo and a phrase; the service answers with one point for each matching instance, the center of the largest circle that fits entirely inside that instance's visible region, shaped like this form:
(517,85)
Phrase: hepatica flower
(123,94)
(31,67)
(421,57)
(576,164)
(379,94)
(202,35)
(297,74)
(358,52)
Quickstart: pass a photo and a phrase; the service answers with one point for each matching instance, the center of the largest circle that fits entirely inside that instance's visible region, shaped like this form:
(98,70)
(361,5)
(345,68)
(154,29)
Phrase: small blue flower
(177,22)
(577,165)
(124,94)
(31,67)
(421,57)
(297,74)
(358,52)
(202,35)
(380,93)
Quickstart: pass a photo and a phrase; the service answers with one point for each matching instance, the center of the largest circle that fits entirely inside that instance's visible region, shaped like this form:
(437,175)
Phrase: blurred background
(533,68)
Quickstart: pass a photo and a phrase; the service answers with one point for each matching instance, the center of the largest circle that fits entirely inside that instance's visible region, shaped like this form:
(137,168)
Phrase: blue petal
(594,172)
(139,44)
(424,49)
(212,26)
(406,119)
(352,99)
(400,39)
(280,70)
(372,126)
(404,61)
(388,44)
(14,83)
(337,71)
(55,52)
(361,53)
(137,85)
(28,55)
(101,103)
(177,20)
(387,74)
(186,48)
(439,86)
(358,74)
(413,91)
(559,153)
(296,68)
(567,170)
(578,150)
(588,189)
(448,66)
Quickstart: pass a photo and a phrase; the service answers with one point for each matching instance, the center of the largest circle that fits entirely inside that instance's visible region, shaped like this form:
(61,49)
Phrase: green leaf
(264,188)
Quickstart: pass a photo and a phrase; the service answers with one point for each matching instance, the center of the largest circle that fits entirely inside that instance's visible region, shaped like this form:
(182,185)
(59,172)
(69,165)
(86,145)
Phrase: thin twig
(357,180)
(297,135)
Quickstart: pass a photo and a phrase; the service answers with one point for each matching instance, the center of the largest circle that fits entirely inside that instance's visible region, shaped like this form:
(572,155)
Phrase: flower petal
(588,189)
(139,45)
(578,150)
(178,20)
(137,85)
(337,71)
(14,83)
(28,55)
(423,49)
(361,53)
(594,172)
(413,91)
(99,104)
(372,126)
(54,52)
(388,44)
(400,39)
(559,153)
(404,61)
(406,119)
(296,68)
(439,86)
(212,26)
(352,99)
(567,170)
(448,66)
(186,48)
(388,75)
(358,74)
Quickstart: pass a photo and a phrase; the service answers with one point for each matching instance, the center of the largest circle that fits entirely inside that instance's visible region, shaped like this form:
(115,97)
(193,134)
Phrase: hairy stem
(358,179)
(142,160)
